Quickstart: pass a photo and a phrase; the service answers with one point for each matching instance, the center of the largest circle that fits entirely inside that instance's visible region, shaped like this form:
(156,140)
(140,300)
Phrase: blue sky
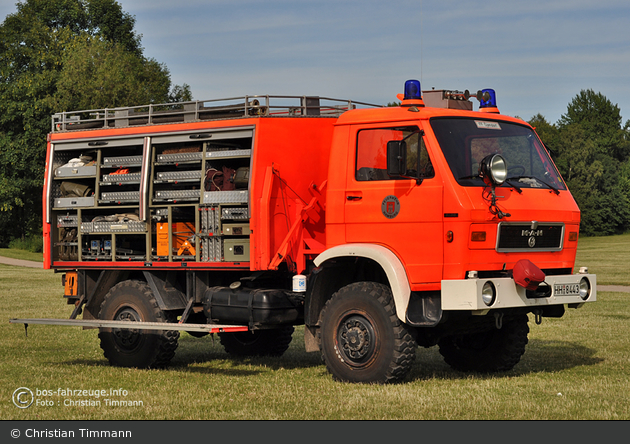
(536,54)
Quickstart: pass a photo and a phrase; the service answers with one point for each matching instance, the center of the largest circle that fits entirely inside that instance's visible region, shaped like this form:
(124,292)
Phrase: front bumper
(465,294)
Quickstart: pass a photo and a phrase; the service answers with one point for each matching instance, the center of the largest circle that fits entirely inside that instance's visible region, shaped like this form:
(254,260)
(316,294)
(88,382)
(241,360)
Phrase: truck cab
(462,215)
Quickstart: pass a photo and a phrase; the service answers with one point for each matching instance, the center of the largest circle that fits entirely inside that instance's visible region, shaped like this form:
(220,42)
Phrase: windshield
(465,142)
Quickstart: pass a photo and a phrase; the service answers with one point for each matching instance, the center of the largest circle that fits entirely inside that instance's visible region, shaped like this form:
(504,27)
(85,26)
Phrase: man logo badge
(390,207)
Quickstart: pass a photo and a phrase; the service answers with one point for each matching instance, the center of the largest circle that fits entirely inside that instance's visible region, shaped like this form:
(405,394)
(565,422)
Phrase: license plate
(566,289)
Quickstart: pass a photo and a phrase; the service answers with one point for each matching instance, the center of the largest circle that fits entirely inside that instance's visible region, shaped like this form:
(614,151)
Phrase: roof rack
(246,106)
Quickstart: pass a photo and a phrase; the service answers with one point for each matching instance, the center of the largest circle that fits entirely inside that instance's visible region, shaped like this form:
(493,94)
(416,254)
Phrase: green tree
(591,151)
(107,20)
(97,73)
(601,120)
(60,55)
(547,132)
(180,93)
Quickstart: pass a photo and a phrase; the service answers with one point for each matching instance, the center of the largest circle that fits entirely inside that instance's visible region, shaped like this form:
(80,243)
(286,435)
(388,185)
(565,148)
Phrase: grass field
(608,257)
(21,254)
(575,368)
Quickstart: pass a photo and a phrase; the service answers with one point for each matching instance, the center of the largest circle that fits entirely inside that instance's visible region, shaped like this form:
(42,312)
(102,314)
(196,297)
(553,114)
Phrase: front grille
(529,236)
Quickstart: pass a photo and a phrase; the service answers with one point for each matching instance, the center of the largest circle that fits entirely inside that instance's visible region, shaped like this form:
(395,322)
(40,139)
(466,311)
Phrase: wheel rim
(356,340)
(127,339)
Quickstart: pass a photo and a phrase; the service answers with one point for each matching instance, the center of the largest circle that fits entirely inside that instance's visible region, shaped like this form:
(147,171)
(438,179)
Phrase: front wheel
(489,351)
(361,338)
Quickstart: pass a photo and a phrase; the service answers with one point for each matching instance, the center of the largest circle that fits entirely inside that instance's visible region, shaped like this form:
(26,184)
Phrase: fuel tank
(253,306)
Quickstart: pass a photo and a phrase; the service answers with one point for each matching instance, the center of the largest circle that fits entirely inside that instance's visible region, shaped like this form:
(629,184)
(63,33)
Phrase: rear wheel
(273,342)
(133,301)
(361,338)
(489,351)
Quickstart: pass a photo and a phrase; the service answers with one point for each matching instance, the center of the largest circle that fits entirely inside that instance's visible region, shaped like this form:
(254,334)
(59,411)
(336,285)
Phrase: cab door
(403,214)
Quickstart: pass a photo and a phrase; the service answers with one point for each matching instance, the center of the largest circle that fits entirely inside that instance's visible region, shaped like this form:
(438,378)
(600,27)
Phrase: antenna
(421,40)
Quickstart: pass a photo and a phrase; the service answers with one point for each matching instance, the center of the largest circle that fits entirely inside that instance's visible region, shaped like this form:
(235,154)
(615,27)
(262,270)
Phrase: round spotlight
(488,293)
(493,169)
(585,289)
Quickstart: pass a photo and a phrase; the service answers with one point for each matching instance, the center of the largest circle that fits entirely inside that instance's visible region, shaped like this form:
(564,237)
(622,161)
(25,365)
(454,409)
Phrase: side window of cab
(371,160)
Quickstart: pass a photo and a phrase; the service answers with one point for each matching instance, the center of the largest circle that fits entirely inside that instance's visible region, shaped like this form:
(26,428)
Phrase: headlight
(585,288)
(488,293)
(493,169)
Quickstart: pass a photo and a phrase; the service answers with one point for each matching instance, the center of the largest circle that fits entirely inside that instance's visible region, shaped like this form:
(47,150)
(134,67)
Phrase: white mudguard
(390,263)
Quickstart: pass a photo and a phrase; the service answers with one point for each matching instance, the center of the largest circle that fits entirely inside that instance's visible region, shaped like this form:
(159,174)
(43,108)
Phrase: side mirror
(396,158)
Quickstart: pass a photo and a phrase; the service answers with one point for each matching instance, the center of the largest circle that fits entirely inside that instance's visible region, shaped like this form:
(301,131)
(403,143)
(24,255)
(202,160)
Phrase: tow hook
(498,320)
(538,316)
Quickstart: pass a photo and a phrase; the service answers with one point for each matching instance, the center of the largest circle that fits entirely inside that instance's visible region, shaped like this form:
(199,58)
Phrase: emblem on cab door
(390,207)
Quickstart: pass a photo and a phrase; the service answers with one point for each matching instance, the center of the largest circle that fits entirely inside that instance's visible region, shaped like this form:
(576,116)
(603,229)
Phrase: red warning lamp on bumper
(527,275)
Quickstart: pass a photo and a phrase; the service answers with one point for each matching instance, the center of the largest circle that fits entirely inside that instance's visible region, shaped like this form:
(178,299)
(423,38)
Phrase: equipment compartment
(119,197)
(177,176)
(114,227)
(83,171)
(178,158)
(121,178)
(236,230)
(73,202)
(122,161)
(234,213)
(122,170)
(225,197)
(235,250)
(68,164)
(67,220)
(176,195)
(162,179)
(225,154)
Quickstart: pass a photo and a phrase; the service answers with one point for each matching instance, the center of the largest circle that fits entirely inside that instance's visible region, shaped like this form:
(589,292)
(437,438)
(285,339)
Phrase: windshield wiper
(516,187)
(551,187)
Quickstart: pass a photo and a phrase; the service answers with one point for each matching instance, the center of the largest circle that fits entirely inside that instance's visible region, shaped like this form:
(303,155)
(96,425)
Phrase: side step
(205,328)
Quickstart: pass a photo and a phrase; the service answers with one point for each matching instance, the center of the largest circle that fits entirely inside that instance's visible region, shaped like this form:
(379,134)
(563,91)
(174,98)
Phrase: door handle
(352,198)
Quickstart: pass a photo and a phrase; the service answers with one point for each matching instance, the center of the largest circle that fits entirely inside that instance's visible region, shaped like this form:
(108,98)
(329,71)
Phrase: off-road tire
(496,350)
(133,300)
(272,342)
(361,338)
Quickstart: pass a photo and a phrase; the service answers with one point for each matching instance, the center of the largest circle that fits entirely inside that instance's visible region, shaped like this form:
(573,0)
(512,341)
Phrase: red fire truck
(379,229)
